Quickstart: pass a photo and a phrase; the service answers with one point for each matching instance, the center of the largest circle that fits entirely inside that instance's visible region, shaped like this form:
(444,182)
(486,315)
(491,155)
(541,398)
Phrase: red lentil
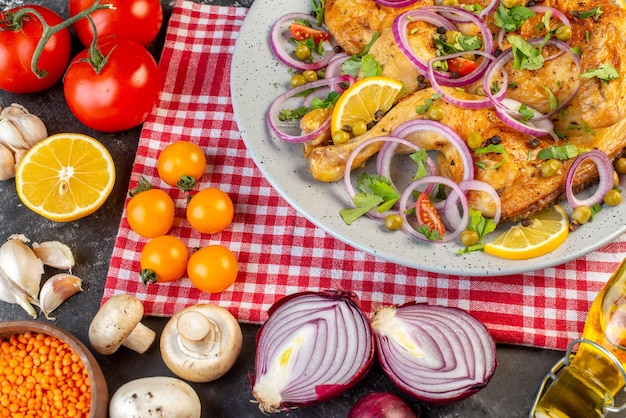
(41,376)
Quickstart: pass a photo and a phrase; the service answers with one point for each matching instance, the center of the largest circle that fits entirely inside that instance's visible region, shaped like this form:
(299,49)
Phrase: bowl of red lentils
(45,371)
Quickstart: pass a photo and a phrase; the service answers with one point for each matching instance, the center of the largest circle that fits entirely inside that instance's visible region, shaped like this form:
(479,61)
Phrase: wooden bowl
(99,392)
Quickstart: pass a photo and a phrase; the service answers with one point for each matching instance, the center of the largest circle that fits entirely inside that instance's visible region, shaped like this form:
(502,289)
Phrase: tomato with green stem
(181,164)
(113,85)
(212,269)
(139,20)
(163,259)
(210,211)
(150,212)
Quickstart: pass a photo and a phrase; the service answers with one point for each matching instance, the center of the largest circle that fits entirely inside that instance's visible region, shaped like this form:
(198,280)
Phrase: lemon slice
(547,230)
(362,100)
(65,177)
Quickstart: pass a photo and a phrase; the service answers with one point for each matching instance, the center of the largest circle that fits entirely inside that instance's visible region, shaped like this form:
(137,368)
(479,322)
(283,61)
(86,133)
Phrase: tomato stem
(142,186)
(49,31)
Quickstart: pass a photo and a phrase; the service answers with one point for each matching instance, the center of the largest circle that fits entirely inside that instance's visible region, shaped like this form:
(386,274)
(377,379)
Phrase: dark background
(509,394)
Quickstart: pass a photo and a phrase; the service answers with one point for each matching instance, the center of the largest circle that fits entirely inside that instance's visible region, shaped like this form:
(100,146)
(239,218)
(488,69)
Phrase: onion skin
(313,347)
(381,405)
(434,353)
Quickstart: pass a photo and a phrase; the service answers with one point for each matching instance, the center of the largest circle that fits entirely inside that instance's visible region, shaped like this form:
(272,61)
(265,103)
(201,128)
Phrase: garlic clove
(11,293)
(30,127)
(14,109)
(7,163)
(54,254)
(21,264)
(56,290)
(11,136)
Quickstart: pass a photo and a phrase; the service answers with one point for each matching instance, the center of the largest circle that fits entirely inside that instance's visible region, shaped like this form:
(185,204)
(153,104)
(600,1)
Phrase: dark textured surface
(509,394)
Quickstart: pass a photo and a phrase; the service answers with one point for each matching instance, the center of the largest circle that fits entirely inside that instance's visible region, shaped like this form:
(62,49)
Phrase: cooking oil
(587,384)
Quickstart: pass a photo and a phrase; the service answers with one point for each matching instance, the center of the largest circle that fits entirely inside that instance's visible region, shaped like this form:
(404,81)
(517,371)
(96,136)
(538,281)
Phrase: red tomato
(427,215)
(121,95)
(17,46)
(461,65)
(302,32)
(212,269)
(163,259)
(139,20)
(210,211)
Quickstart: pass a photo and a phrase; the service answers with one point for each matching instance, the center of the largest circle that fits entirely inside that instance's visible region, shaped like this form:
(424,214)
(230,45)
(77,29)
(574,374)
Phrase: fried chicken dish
(593,117)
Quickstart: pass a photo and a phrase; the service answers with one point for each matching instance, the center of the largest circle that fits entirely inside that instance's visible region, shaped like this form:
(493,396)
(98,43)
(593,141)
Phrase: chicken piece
(517,179)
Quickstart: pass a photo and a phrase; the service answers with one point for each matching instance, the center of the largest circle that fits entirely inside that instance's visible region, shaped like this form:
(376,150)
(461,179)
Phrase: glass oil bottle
(584,384)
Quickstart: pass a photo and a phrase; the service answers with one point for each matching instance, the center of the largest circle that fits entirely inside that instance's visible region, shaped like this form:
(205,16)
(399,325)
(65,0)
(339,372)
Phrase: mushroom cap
(223,345)
(114,322)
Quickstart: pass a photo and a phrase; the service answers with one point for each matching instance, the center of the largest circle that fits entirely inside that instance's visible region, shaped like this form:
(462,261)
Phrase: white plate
(257,78)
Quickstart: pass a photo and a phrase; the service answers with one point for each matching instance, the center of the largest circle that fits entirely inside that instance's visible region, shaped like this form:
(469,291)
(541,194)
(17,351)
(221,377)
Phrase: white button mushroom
(157,396)
(201,342)
(118,322)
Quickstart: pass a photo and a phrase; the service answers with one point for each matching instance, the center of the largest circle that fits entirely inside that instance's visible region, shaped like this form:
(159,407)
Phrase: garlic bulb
(19,131)
(54,254)
(56,290)
(21,265)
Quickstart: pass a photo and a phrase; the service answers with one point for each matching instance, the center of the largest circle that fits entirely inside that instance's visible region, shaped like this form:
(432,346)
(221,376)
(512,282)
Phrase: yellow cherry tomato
(212,269)
(210,211)
(181,164)
(150,213)
(163,259)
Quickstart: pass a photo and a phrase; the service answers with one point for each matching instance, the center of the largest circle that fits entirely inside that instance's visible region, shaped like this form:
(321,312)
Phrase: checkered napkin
(279,251)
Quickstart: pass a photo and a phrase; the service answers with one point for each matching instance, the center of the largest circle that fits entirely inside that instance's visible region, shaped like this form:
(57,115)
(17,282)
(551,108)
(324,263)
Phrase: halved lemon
(365,101)
(547,230)
(65,177)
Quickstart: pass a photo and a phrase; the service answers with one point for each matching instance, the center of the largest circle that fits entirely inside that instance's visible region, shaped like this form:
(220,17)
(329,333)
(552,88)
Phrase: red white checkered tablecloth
(281,252)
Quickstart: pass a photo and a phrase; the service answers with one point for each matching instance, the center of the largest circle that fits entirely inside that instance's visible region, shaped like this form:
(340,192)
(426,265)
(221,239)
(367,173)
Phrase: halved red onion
(282,47)
(435,353)
(313,347)
(605,171)
(290,130)
(381,405)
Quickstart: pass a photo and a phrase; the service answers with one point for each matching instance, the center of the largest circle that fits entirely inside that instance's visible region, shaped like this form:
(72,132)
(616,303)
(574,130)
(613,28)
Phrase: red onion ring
(333,69)
(435,353)
(411,127)
(451,211)
(431,180)
(280,128)
(279,39)
(395,3)
(605,171)
(507,110)
(313,347)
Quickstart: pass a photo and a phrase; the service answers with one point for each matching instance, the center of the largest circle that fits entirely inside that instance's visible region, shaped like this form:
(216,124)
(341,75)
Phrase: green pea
(475,140)
(435,113)
(620,165)
(581,214)
(297,80)
(563,33)
(302,52)
(358,128)
(613,197)
(310,75)
(393,221)
(469,237)
(340,137)
(551,167)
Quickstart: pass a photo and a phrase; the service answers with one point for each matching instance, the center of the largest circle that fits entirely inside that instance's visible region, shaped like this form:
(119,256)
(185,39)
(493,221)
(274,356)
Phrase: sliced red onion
(451,210)
(435,353)
(508,111)
(450,98)
(554,12)
(282,47)
(429,181)
(446,17)
(290,130)
(333,69)
(313,347)
(395,3)
(408,128)
(380,405)
(605,171)
(492,6)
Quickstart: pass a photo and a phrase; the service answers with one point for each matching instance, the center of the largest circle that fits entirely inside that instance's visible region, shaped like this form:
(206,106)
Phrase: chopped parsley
(363,61)
(317,103)
(374,191)
(423,108)
(559,152)
(593,13)
(492,148)
(511,19)
(605,72)
(483,226)
(318,8)
(525,56)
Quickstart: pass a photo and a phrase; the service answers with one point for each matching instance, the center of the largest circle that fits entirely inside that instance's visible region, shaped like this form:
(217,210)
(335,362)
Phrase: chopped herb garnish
(374,191)
(605,72)
(483,226)
(352,65)
(317,103)
(318,8)
(526,112)
(593,13)
(511,19)
(525,56)
(370,67)
(431,235)
(553,100)
(423,108)
(559,152)
(492,148)
(420,157)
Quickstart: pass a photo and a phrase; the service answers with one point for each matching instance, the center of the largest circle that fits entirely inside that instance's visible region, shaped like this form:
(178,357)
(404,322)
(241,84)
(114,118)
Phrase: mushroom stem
(198,334)
(140,339)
